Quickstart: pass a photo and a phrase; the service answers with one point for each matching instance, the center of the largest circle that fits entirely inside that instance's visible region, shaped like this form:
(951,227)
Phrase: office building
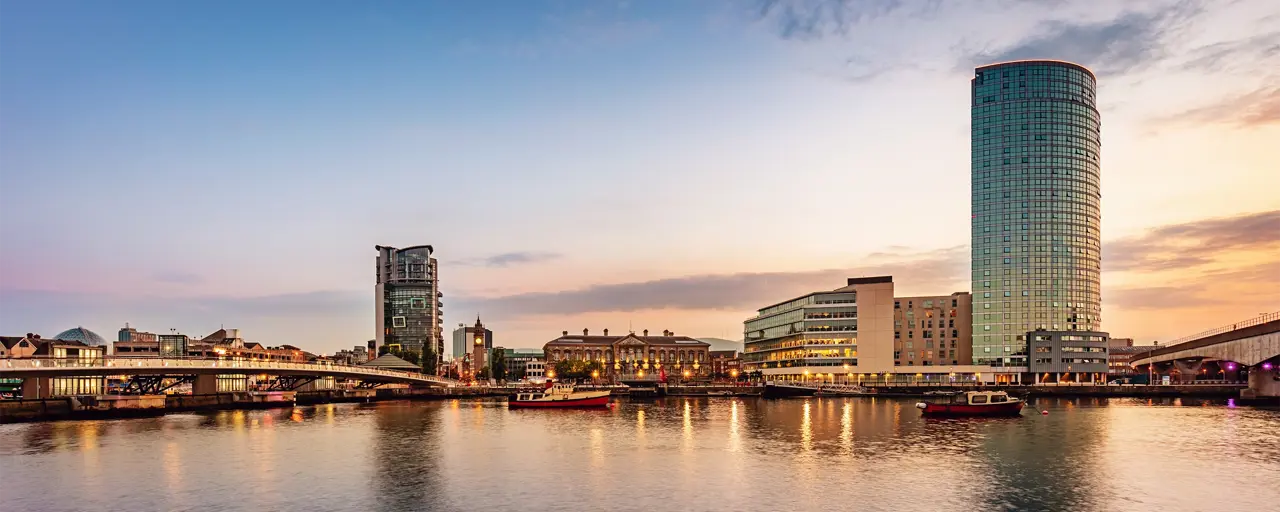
(517,360)
(849,335)
(464,338)
(1035,197)
(130,334)
(933,330)
(408,301)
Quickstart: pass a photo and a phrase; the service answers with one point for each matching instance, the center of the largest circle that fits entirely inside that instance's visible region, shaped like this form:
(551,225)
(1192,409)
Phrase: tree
(483,374)
(429,361)
(579,369)
(407,355)
(383,350)
(499,367)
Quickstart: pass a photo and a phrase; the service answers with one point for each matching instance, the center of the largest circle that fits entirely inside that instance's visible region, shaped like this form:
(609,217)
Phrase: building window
(398,321)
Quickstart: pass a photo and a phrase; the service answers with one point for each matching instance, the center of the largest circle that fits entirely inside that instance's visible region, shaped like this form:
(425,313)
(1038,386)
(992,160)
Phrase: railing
(1258,320)
(126,363)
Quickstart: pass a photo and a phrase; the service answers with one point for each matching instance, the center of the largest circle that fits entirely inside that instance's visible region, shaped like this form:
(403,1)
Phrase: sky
(643,165)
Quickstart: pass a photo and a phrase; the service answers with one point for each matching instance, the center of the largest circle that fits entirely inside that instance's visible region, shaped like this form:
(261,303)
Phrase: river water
(674,454)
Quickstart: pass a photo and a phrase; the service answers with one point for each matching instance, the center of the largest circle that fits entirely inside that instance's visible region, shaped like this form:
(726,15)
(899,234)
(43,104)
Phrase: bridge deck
(1262,334)
(50,367)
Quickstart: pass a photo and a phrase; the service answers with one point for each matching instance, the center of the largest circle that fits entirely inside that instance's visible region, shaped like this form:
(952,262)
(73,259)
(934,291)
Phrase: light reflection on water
(672,454)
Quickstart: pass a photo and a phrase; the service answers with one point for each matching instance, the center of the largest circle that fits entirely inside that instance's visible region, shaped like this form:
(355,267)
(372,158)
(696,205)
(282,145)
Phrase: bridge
(150,375)
(1251,346)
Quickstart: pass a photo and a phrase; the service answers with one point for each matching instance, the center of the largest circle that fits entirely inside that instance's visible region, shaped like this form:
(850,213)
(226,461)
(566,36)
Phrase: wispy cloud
(1257,108)
(1248,54)
(938,270)
(508,259)
(1193,244)
(1126,43)
(812,20)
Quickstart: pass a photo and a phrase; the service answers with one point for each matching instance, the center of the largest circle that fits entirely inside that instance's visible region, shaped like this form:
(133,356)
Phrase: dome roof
(83,335)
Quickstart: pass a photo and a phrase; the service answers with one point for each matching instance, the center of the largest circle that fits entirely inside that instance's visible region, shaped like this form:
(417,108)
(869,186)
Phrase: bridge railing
(1257,320)
(127,363)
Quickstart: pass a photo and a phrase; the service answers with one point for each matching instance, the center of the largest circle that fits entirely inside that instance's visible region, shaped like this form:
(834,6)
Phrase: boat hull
(596,401)
(776,391)
(999,409)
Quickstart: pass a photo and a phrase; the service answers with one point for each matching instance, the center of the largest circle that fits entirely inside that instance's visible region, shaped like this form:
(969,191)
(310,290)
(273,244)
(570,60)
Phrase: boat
(719,393)
(842,390)
(973,403)
(560,395)
(784,389)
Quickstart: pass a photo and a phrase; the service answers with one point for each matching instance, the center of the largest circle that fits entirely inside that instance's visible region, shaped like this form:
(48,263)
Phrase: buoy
(1044,413)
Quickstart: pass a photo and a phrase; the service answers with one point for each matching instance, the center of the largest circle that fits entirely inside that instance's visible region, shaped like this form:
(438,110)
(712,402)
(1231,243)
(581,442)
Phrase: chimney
(646,332)
(584,332)
(606,332)
(564,333)
(665,333)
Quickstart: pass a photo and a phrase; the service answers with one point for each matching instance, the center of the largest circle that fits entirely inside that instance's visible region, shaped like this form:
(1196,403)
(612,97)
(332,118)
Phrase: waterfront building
(464,337)
(223,343)
(390,362)
(130,334)
(631,356)
(1036,212)
(1122,350)
(407,301)
(1068,356)
(535,371)
(18,347)
(517,360)
(933,330)
(47,387)
(726,364)
(847,335)
(82,335)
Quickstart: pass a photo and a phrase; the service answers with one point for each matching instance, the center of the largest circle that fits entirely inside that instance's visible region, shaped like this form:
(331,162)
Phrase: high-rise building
(407,300)
(1036,216)
(464,338)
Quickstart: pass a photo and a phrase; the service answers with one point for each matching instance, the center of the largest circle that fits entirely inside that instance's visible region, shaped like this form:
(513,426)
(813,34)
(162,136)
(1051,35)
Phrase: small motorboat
(973,403)
(560,395)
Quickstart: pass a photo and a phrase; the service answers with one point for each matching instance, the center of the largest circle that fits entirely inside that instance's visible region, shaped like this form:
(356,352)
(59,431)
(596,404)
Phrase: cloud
(1129,42)
(812,20)
(1245,287)
(1258,108)
(743,291)
(507,259)
(1192,244)
(1248,54)
(177,277)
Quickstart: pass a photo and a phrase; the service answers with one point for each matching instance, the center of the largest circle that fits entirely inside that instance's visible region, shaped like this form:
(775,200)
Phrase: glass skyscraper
(1036,214)
(407,300)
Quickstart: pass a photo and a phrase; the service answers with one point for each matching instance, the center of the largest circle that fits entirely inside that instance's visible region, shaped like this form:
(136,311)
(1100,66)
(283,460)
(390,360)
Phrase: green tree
(383,350)
(499,366)
(430,362)
(407,355)
(483,374)
(577,369)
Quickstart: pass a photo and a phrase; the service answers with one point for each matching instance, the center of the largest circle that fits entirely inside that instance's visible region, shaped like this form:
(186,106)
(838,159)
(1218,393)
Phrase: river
(674,454)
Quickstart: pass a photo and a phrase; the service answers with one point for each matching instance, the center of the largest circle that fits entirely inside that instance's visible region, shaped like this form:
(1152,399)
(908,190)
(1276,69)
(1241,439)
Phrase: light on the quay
(1267,366)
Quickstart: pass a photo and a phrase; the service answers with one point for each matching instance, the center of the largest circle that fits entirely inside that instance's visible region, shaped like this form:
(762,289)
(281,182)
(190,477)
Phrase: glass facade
(820,329)
(409,298)
(1036,215)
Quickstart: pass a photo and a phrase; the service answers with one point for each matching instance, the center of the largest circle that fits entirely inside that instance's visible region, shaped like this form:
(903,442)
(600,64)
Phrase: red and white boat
(560,395)
(973,403)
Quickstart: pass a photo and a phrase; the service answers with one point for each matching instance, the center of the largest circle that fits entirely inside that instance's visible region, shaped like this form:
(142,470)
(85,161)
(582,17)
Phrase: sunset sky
(660,165)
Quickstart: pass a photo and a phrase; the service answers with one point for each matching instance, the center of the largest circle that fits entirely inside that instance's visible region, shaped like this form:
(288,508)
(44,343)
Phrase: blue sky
(671,165)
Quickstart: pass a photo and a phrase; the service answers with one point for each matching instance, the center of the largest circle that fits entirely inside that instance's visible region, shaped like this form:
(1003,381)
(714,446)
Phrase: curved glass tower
(1036,214)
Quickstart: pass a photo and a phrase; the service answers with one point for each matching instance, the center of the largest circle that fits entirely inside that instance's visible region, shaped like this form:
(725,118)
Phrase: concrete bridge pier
(1263,383)
(1188,370)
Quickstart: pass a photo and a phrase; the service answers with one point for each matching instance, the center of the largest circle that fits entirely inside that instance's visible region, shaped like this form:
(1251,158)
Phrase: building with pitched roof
(633,356)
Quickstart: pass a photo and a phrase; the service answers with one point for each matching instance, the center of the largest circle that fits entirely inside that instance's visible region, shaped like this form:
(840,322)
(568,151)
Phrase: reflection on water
(681,454)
